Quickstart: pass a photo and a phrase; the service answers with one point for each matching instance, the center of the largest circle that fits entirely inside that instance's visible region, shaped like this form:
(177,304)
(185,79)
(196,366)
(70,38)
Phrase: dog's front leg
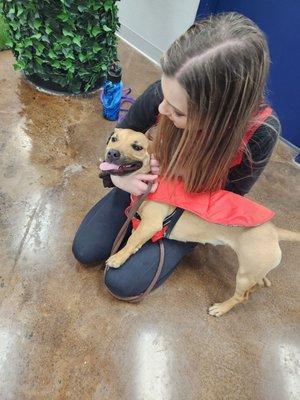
(141,235)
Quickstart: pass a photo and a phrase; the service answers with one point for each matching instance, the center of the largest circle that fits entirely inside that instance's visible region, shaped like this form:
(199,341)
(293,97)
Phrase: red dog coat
(219,207)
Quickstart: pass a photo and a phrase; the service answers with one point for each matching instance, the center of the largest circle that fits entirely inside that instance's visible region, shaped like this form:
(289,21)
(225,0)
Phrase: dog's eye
(137,147)
(114,139)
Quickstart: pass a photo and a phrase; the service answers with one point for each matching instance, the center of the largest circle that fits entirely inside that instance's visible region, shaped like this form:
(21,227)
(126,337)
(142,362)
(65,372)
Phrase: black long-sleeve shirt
(143,114)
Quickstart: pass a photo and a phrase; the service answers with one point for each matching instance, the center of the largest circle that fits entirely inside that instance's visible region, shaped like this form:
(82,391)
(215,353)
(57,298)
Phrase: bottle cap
(114,73)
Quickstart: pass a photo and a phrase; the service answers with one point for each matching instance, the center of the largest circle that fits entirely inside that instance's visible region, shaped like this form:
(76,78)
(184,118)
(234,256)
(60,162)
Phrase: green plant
(4,35)
(70,43)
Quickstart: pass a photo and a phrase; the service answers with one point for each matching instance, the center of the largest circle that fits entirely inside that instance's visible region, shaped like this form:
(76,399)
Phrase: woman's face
(174,104)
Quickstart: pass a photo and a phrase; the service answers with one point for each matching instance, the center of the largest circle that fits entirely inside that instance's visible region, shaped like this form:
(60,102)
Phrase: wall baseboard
(136,41)
(289,144)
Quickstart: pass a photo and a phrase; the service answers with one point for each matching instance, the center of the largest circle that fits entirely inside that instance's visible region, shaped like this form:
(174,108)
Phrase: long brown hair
(222,62)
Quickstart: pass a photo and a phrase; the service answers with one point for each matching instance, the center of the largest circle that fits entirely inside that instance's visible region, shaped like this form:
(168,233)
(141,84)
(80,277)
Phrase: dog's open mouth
(121,169)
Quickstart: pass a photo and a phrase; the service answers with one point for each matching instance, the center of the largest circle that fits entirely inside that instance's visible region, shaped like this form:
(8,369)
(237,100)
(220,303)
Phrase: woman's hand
(135,184)
(138,184)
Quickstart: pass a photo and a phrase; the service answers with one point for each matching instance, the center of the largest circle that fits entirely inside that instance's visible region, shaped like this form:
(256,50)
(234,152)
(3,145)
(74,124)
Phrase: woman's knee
(122,285)
(87,253)
(136,274)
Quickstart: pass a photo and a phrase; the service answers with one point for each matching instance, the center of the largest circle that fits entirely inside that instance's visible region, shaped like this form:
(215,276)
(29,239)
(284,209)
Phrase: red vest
(261,117)
(219,207)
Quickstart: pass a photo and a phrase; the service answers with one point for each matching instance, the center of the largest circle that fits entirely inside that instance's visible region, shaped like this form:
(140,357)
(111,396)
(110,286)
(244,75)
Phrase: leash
(117,243)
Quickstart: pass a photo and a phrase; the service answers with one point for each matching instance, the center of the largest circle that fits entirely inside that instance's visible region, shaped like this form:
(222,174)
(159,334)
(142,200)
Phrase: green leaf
(65,41)
(55,64)
(76,40)
(45,39)
(96,48)
(81,8)
(27,42)
(39,49)
(57,46)
(82,72)
(106,28)
(39,60)
(48,29)
(68,33)
(51,54)
(37,23)
(22,19)
(20,65)
(27,54)
(20,11)
(68,53)
(67,3)
(17,36)
(82,57)
(30,23)
(61,81)
(96,6)
(68,64)
(36,36)
(38,69)
(63,16)
(14,25)
(11,13)
(19,48)
(96,30)
(108,5)
(9,43)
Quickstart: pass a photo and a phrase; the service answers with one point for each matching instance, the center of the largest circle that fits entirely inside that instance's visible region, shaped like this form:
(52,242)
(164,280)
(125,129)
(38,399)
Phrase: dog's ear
(110,135)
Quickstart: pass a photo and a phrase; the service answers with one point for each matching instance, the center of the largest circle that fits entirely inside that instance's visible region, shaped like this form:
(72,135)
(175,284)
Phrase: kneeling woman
(214,131)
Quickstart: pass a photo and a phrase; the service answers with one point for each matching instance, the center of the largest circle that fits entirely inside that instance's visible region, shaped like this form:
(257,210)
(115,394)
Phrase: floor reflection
(289,362)
(153,363)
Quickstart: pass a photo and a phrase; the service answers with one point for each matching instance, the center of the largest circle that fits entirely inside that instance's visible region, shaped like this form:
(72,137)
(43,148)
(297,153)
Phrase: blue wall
(280,20)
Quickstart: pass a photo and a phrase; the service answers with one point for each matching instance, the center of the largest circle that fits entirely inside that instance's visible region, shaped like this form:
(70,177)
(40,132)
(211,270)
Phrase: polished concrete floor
(62,336)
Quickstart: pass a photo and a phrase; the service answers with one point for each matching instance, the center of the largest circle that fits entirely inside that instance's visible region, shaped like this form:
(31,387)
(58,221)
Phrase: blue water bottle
(112,93)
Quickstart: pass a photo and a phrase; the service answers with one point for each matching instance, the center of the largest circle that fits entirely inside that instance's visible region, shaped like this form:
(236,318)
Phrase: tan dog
(257,247)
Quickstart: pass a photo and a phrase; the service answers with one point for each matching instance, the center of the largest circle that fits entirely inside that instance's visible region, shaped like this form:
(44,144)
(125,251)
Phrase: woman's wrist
(135,184)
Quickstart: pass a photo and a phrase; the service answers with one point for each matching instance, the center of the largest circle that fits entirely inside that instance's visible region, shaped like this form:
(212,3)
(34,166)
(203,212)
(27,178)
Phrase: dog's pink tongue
(105,166)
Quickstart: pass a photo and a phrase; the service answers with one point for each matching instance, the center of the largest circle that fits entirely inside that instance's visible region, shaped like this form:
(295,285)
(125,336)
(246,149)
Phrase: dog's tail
(284,234)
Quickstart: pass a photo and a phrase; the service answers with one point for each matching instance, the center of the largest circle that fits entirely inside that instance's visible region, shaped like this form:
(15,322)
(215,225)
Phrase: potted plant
(63,45)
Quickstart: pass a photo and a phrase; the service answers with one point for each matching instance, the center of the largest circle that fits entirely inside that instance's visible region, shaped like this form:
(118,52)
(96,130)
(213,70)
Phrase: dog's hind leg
(249,276)
(244,284)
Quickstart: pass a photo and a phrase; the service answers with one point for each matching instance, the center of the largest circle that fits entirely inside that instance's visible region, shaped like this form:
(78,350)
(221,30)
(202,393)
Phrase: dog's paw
(218,309)
(113,262)
(116,260)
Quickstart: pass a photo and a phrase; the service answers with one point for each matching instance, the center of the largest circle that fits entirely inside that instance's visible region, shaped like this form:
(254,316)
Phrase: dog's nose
(113,155)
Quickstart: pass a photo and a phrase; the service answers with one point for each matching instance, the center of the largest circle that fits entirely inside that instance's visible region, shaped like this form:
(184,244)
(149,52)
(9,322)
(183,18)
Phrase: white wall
(152,25)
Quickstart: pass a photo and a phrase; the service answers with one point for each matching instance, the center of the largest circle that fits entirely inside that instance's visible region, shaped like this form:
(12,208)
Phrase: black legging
(96,234)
